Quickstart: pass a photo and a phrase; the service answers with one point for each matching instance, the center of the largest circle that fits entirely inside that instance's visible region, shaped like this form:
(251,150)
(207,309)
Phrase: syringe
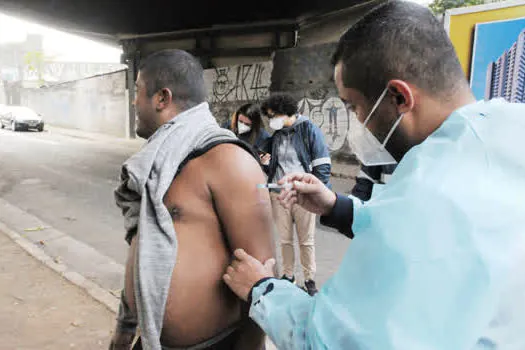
(286,186)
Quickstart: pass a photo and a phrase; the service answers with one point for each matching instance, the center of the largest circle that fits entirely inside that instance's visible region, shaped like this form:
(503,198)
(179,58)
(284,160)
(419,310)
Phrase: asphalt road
(67,179)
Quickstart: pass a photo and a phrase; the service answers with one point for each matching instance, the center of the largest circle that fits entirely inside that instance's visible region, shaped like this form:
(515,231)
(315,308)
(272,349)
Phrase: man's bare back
(216,208)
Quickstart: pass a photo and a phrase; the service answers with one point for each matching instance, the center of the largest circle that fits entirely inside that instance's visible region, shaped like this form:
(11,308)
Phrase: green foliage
(34,60)
(440,6)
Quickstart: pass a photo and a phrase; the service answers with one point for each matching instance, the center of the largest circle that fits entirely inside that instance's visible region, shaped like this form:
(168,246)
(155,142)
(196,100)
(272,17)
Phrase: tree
(34,61)
(440,6)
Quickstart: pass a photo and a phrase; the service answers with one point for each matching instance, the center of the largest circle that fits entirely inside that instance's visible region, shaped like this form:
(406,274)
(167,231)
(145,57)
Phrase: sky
(67,47)
(491,41)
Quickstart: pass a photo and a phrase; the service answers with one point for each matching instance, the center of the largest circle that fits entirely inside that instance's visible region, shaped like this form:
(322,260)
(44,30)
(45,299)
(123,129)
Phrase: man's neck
(437,110)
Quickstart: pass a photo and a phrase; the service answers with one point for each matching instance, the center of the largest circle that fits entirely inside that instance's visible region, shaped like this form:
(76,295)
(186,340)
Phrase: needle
(286,186)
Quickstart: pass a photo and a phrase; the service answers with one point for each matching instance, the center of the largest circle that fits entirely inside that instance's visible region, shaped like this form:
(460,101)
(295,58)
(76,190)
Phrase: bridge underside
(108,20)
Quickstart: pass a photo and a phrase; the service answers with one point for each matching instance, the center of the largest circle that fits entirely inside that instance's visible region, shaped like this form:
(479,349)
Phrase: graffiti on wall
(230,87)
(247,82)
(329,114)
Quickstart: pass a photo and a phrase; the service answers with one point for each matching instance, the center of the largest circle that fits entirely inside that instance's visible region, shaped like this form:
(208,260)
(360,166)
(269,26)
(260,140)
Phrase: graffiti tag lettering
(247,82)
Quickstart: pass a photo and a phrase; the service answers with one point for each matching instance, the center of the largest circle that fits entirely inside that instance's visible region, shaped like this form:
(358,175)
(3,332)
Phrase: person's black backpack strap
(200,151)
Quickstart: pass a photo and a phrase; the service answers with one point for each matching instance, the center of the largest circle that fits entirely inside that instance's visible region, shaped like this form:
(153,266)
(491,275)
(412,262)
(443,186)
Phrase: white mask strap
(394,127)
(383,94)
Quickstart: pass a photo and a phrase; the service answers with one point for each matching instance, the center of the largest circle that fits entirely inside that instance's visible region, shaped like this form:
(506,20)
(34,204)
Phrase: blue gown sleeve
(416,283)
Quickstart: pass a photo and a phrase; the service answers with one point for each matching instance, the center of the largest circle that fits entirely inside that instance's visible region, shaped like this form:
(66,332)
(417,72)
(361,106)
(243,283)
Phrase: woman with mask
(247,125)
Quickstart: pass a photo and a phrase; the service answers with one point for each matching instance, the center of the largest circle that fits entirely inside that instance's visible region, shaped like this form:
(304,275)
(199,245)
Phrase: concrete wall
(230,87)
(96,104)
(304,72)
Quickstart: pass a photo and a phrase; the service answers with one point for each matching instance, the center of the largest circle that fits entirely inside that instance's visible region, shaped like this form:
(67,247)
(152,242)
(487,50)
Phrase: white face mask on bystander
(277,123)
(243,128)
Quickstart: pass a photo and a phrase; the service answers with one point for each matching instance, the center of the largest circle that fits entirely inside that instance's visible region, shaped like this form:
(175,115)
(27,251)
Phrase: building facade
(506,75)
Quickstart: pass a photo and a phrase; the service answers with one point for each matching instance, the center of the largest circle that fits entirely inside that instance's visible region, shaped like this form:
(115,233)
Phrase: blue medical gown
(438,259)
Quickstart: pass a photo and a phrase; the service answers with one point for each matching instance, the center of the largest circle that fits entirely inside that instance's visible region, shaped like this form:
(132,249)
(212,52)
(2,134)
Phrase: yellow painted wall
(462,29)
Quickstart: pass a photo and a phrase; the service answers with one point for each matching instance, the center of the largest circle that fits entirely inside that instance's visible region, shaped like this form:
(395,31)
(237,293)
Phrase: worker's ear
(402,95)
(163,99)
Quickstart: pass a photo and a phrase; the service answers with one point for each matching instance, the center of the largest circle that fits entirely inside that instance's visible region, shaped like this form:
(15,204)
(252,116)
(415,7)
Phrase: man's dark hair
(280,103)
(178,71)
(398,40)
(253,112)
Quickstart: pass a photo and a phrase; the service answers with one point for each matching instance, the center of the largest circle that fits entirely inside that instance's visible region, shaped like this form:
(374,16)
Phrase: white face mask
(243,128)
(365,145)
(277,123)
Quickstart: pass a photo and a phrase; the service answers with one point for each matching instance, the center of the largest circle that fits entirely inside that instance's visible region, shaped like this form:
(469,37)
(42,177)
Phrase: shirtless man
(216,208)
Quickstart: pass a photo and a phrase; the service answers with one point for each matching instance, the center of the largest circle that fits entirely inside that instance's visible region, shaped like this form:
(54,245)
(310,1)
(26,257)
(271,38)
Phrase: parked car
(20,118)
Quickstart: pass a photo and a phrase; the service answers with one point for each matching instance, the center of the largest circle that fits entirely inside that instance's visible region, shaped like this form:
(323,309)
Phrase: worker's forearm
(342,216)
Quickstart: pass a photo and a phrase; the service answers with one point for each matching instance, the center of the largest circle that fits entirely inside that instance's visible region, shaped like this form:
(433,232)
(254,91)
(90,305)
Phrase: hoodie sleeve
(126,319)
(321,163)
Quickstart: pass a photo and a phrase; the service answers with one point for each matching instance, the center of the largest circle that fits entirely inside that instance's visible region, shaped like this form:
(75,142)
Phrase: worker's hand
(245,271)
(308,192)
(122,341)
(265,159)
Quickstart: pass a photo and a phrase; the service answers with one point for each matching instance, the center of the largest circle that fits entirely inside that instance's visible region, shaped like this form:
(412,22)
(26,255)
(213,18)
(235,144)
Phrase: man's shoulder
(228,156)
(229,165)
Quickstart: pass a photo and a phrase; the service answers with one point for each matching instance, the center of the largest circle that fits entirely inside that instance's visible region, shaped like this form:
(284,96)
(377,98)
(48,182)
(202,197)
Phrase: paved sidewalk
(42,310)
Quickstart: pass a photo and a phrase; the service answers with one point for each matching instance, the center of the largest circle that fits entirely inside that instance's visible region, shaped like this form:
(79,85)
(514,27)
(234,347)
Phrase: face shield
(367,148)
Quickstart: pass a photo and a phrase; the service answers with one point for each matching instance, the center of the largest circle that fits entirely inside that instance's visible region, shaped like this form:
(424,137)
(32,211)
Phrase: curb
(98,293)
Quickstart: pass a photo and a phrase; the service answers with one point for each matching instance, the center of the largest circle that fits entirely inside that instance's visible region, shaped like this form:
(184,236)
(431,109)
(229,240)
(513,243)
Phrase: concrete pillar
(131,57)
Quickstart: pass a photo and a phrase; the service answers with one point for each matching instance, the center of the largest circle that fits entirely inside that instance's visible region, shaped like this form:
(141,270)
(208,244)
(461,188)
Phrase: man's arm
(244,211)
(126,326)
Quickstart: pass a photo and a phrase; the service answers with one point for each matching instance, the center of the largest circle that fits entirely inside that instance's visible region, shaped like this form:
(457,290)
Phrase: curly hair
(280,104)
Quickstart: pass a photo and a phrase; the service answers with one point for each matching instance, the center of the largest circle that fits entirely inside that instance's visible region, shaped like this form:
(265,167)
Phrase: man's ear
(163,99)
(402,95)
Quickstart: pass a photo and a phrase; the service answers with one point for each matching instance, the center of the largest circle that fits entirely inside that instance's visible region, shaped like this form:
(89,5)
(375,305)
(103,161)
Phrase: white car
(20,118)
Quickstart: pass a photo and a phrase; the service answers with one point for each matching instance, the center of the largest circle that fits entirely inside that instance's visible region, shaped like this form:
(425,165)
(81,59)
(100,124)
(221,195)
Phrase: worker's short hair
(399,40)
(178,71)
